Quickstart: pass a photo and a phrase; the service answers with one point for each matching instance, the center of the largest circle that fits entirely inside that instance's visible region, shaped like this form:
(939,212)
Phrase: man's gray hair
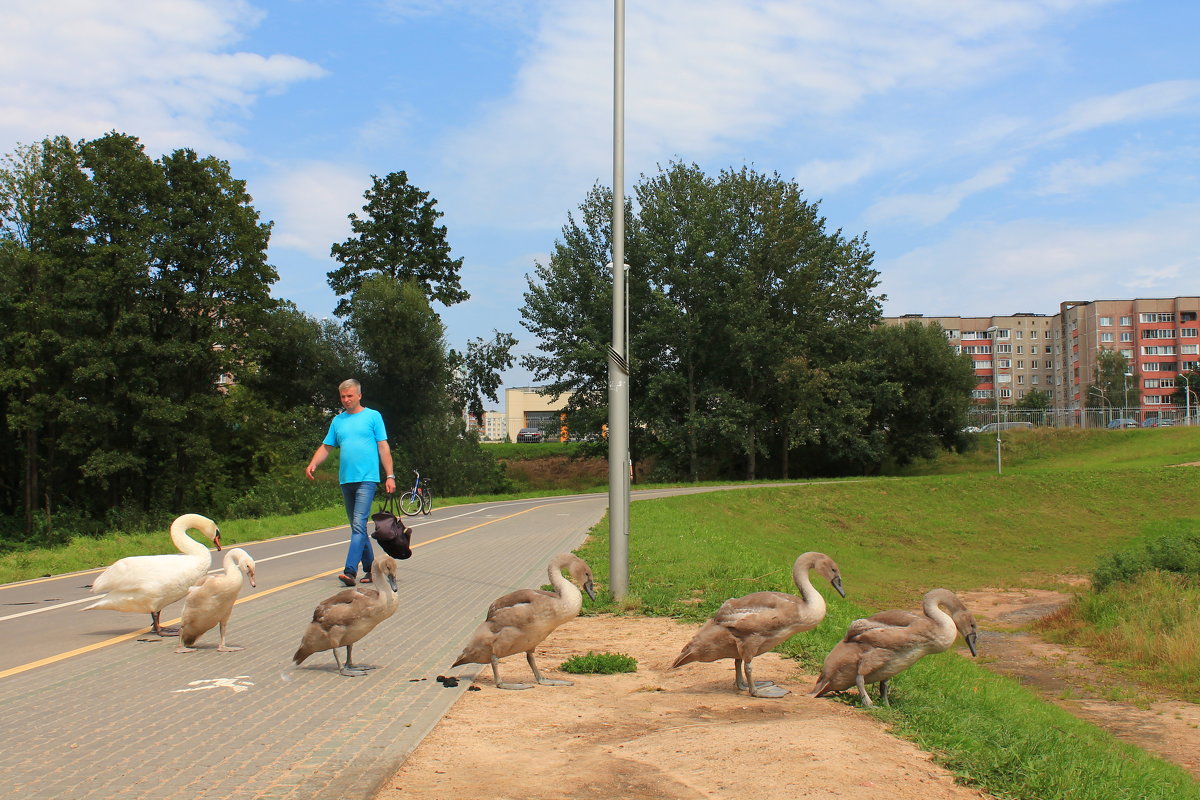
(350,383)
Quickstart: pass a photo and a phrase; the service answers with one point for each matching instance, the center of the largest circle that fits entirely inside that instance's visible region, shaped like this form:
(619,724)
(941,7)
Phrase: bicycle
(418,499)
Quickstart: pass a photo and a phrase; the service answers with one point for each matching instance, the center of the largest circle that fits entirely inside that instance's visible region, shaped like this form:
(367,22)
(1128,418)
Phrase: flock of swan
(874,649)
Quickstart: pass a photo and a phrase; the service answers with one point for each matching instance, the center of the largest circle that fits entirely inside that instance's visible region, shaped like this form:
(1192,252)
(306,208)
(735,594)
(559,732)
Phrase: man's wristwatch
(393,477)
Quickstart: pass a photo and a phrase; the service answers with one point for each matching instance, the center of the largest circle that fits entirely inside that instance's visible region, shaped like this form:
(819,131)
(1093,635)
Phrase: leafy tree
(924,392)
(1035,400)
(476,373)
(397,236)
(1114,384)
(407,379)
(746,310)
(1184,399)
(130,286)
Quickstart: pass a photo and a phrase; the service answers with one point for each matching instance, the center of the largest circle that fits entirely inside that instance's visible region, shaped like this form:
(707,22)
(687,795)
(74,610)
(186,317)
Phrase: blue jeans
(358,497)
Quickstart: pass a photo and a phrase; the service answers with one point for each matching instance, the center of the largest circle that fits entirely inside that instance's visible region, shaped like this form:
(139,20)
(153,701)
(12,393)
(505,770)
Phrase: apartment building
(1012,354)
(1158,337)
(1057,354)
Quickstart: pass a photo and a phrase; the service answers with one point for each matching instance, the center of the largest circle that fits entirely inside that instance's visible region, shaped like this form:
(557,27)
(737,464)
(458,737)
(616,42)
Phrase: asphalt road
(94,707)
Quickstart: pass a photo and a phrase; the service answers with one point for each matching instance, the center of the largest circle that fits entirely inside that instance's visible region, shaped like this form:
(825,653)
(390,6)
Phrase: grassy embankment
(1065,499)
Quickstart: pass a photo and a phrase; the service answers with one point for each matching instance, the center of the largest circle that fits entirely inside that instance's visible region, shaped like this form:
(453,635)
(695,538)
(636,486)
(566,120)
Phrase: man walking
(359,432)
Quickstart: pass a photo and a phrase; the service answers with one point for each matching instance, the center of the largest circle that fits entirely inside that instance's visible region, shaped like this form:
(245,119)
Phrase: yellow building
(524,407)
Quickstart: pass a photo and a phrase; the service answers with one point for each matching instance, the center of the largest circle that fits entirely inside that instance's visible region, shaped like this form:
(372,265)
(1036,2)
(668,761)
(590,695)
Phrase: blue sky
(1000,156)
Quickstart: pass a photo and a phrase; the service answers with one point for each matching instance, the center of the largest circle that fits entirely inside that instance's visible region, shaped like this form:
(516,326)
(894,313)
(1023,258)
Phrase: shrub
(1171,552)
(599,664)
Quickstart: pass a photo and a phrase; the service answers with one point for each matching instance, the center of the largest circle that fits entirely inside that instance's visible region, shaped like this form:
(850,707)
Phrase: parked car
(529,435)
(1157,422)
(1122,422)
(992,427)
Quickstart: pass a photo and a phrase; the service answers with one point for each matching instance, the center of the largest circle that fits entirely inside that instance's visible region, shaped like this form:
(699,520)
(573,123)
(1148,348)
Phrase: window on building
(1151,366)
(1167,383)
(1004,348)
(1188,349)
(1126,336)
(1006,392)
(1158,316)
(1159,350)
(1128,354)
(980,394)
(1150,383)
(1106,337)
(1158,333)
(1033,380)
(1003,333)
(1004,363)
(950,333)
(1188,366)
(983,364)
(1189,333)
(1004,378)
(1126,321)
(1020,380)
(977,349)
(1106,322)
(1033,334)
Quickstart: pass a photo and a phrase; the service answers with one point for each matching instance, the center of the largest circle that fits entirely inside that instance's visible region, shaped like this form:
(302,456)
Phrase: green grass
(894,540)
(1044,449)
(599,664)
(1147,628)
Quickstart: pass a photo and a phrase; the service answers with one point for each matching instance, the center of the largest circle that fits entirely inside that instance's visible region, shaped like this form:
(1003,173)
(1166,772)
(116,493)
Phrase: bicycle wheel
(410,503)
(426,501)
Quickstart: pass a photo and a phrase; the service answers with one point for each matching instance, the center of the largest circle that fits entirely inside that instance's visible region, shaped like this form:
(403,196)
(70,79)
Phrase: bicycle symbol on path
(238,684)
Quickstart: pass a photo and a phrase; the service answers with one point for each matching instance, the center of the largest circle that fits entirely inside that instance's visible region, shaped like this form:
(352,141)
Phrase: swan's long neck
(568,593)
(812,598)
(946,631)
(185,543)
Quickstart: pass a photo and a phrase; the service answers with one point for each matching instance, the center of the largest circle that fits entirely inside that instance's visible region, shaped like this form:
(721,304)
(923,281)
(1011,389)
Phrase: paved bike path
(135,720)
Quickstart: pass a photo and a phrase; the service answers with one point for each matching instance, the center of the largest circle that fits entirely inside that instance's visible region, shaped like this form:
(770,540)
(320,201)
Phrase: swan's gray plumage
(883,645)
(349,615)
(210,601)
(519,621)
(149,584)
(745,627)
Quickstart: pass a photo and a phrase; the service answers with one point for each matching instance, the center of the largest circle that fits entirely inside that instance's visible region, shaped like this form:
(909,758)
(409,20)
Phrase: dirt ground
(1170,729)
(659,734)
(685,733)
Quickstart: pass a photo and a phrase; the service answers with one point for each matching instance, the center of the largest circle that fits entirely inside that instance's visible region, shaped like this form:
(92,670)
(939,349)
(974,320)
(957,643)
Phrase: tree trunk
(693,458)
(31,476)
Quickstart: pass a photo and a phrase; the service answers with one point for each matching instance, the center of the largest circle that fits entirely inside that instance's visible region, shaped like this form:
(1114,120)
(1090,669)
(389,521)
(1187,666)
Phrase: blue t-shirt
(358,436)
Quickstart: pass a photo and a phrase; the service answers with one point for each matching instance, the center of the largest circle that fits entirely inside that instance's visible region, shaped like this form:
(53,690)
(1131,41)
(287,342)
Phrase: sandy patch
(659,734)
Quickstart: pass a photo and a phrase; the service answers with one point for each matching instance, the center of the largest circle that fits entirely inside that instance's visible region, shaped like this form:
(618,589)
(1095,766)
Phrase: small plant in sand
(600,664)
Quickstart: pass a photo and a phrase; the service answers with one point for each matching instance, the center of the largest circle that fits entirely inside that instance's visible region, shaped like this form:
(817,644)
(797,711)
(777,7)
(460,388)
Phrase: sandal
(346,578)
(365,579)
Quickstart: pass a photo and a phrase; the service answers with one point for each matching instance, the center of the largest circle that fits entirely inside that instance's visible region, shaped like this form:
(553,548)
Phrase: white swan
(150,583)
(883,645)
(745,627)
(349,615)
(520,620)
(210,601)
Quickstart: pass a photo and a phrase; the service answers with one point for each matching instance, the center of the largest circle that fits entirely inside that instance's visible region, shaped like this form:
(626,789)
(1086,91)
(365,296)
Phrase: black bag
(390,531)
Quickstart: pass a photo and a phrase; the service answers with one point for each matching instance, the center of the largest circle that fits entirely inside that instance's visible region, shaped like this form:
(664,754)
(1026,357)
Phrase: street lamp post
(1125,411)
(994,331)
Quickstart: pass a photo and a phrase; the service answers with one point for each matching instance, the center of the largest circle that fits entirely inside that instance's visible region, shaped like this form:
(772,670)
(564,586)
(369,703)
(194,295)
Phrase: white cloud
(932,207)
(1145,102)
(1032,265)
(159,69)
(702,75)
(311,203)
(1080,175)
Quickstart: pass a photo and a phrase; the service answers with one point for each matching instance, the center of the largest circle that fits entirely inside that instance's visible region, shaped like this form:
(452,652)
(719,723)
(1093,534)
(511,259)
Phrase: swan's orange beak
(217,541)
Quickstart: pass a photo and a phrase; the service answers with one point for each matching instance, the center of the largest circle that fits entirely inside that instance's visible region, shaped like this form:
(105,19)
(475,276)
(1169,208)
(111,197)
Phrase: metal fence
(1090,418)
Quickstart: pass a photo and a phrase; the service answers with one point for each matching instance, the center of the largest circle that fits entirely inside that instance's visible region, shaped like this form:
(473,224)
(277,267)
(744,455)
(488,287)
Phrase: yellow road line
(126,637)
